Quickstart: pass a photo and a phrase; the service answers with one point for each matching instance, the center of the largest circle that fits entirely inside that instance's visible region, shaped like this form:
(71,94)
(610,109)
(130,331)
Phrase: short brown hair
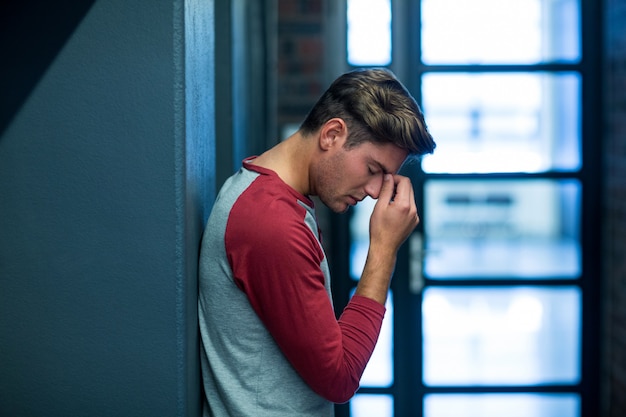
(376,107)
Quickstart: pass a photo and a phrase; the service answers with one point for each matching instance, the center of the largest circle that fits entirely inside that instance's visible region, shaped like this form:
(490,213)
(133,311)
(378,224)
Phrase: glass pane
(501,336)
(379,369)
(500,31)
(514,122)
(369,405)
(369,32)
(359,235)
(498,405)
(502,229)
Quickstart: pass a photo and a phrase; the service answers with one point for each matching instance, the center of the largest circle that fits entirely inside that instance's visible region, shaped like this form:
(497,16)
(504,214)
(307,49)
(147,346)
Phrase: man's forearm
(376,276)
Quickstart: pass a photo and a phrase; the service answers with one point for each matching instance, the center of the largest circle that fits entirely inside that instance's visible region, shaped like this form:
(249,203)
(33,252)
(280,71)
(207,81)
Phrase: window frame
(406,64)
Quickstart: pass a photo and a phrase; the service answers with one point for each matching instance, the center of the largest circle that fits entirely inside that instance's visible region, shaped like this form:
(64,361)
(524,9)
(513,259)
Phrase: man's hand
(395,214)
(393,219)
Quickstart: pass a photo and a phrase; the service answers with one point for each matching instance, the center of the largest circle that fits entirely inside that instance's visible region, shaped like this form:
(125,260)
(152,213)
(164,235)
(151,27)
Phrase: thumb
(387,190)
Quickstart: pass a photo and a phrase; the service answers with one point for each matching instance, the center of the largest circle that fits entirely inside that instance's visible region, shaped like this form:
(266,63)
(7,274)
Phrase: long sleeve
(277,262)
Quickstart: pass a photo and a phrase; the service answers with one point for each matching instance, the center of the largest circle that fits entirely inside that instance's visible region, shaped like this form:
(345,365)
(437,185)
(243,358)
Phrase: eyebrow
(382,167)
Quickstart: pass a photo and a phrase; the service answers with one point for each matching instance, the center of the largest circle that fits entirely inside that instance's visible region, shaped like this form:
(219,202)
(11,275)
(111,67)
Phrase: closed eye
(376,168)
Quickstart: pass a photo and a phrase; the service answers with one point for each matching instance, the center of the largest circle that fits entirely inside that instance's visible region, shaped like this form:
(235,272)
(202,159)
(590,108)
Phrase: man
(271,345)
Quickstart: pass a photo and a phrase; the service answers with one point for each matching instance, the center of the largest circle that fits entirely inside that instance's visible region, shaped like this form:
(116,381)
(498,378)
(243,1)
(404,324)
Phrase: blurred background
(121,120)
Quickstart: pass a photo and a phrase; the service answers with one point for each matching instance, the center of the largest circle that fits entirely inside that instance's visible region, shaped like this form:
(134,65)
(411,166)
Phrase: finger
(403,189)
(405,195)
(387,189)
(411,193)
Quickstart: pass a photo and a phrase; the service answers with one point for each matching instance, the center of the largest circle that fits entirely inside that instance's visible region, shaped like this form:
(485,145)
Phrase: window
(495,296)
(369,32)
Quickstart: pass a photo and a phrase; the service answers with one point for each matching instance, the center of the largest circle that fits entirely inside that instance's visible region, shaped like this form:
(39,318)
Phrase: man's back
(245,373)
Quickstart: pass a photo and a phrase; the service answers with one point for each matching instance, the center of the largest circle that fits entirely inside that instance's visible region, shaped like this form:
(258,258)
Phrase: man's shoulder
(269,197)
(273,212)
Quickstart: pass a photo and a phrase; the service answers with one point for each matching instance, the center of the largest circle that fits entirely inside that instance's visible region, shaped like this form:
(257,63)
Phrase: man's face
(343,177)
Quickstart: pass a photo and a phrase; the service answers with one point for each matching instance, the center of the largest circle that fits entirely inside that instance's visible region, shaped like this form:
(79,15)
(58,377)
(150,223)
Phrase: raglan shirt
(271,344)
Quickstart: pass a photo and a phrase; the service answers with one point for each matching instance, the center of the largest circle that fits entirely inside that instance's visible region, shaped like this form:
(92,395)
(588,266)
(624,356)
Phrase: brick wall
(300,78)
(615,208)
(301,75)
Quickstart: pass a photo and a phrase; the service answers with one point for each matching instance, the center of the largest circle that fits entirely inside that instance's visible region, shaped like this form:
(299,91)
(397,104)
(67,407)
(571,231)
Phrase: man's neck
(290,161)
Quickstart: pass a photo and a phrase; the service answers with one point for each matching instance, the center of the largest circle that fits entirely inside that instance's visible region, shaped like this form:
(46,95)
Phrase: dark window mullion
(592,192)
(501,389)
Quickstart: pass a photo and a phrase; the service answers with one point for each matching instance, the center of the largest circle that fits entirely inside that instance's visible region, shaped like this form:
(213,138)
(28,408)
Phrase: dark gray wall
(106,176)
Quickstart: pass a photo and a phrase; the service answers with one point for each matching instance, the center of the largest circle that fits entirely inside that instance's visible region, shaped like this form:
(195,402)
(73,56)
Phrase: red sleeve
(277,264)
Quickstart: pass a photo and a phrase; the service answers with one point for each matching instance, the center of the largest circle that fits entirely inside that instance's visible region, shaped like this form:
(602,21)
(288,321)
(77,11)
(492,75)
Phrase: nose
(372,188)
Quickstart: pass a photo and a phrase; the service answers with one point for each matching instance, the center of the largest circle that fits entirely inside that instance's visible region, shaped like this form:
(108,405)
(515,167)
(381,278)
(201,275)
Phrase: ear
(333,133)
